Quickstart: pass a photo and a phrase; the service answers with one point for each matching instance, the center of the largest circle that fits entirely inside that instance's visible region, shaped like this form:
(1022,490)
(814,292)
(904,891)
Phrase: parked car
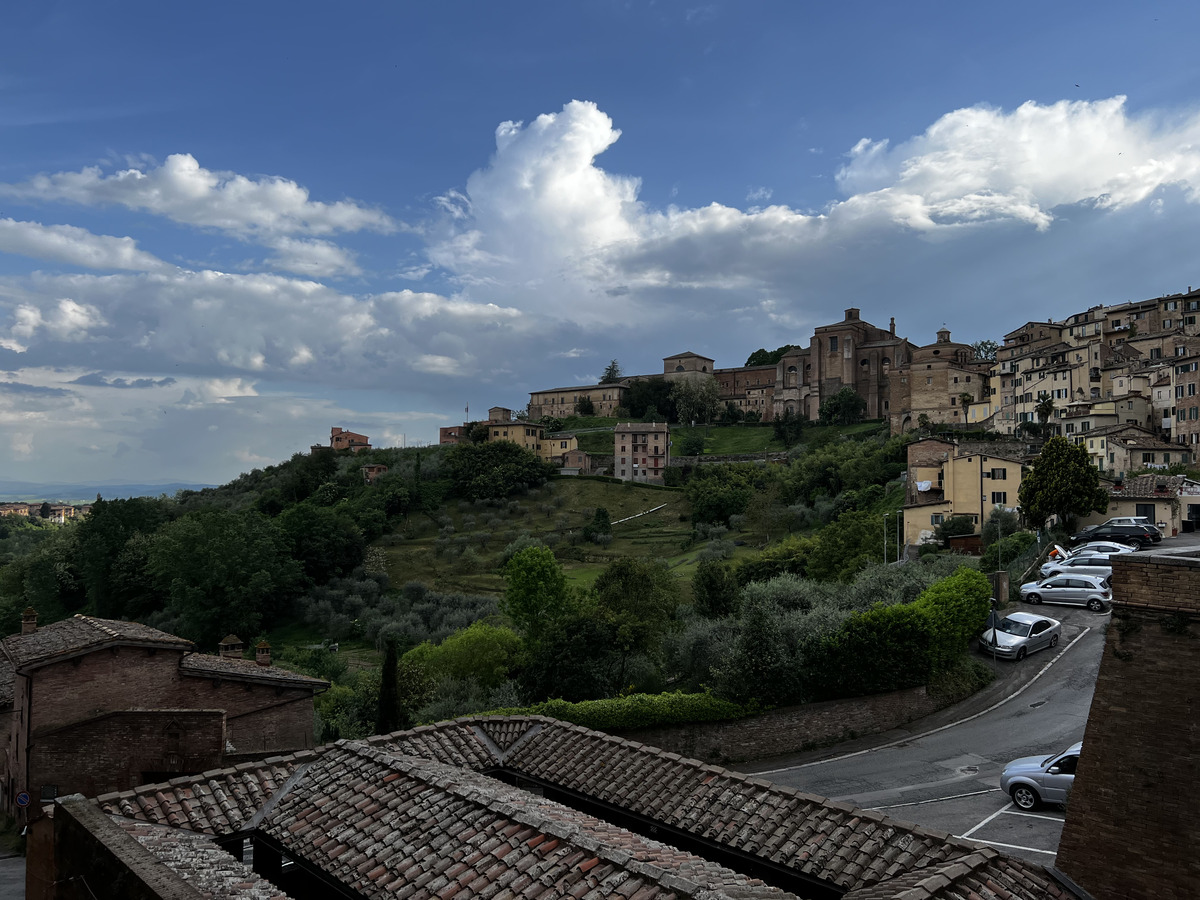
(1134,535)
(1032,780)
(1109,547)
(1072,590)
(1082,564)
(1129,520)
(1019,634)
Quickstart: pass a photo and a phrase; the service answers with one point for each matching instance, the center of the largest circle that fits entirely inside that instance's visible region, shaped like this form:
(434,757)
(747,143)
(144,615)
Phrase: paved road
(12,878)
(949,780)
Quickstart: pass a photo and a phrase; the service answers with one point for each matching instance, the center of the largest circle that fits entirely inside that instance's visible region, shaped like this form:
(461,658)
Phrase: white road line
(1013,812)
(925,734)
(1016,847)
(967,834)
(936,799)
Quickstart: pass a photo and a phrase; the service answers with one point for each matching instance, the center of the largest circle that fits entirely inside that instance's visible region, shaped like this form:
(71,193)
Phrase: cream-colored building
(946,480)
(641,451)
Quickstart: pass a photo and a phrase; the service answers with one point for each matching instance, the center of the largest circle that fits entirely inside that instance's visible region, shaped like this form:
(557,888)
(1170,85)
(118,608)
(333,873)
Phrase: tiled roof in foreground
(415,814)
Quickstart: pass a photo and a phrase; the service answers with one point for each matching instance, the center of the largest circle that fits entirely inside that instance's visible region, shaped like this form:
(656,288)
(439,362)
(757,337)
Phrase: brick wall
(118,751)
(792,729)
(1132,829)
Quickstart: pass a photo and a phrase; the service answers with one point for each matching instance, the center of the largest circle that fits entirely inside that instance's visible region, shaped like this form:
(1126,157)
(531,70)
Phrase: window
(1001,474)
(1147,457)
(935,519)
(1000,498)
(1191,389)
(832,344)
(1166,323)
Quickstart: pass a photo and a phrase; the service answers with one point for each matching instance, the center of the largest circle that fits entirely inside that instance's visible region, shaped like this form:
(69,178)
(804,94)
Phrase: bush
(636,711)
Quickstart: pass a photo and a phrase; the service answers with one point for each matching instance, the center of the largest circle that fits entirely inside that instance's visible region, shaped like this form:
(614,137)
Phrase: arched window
(679,368)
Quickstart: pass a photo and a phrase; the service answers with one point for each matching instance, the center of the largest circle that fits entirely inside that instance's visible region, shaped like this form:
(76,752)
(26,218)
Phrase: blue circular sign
(23,799)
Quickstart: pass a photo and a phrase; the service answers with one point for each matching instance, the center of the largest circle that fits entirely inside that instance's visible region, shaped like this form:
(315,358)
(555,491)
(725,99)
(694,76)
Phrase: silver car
(1109,547)
(1019,634)
(1081,564)
(1041,779)
(1073,590)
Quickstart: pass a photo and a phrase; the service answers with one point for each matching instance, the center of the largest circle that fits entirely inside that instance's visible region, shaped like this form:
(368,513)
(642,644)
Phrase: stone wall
(792,729)
(1132,829)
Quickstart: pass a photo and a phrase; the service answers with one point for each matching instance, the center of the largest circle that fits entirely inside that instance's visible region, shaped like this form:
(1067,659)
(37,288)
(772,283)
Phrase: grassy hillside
(432,549)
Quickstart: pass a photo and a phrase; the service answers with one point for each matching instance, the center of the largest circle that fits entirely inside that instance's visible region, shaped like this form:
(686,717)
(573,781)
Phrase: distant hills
(77,493)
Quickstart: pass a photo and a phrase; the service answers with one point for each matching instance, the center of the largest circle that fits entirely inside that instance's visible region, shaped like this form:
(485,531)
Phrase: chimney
(29,620)
(230,647)
(893,326)
(262,653)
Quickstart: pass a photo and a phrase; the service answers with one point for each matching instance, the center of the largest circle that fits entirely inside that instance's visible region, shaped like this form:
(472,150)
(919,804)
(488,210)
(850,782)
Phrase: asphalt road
(945,775)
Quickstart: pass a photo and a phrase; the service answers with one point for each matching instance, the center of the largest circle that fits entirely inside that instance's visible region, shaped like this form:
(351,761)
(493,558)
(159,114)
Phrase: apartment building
(946,480)
(641,451)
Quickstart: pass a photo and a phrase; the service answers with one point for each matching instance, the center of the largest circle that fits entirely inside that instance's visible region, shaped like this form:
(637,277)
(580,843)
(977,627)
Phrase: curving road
(948,780)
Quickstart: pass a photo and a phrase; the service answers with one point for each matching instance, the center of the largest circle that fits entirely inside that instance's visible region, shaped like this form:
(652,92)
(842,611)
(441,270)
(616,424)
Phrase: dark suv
(1139,536)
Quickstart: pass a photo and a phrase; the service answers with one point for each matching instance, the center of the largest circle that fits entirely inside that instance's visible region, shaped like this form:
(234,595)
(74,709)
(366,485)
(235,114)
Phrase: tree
(44,512)
(612,373)
(714,589)
(953,526)
(845,407)
(584,406)
(1062,483)
(1000,524)
(223,572)
(965,399)
(1044,409)
(788,428)
(764,357)
(601,524)
(985,350)
(636,598)
(493,470)
(651,397)
(697,399)
(535,591)
(388,719)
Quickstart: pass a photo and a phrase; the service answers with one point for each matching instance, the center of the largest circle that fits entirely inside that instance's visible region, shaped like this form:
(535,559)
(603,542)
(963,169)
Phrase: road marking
(1016,847)
(1013,812)
(967,834)
(925,734)
(936,799)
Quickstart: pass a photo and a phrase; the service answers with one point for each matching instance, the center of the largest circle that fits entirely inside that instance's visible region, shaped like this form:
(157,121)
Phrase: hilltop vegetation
(483,582)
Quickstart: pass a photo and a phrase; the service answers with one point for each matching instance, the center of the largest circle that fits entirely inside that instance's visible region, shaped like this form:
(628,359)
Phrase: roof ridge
(96,623)
(450,779)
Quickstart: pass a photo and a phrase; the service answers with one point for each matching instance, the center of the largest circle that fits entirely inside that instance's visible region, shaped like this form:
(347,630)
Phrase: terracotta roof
(1147,486)
(205,664)
(209,869)
(81,633)
(219,802)
(984,875)
(386,825)
(415,813)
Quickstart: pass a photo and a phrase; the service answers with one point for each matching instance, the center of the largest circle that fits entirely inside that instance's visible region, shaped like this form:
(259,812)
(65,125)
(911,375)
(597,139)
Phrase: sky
(226,228)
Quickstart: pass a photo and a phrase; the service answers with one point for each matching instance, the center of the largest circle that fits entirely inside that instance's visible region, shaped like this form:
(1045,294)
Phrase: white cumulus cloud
(75,246)
(184,191)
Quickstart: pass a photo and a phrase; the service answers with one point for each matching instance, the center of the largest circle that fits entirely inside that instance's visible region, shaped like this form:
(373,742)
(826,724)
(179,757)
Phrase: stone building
(94,705)
(946,479)
(853,354)
(641,451)
(941,381)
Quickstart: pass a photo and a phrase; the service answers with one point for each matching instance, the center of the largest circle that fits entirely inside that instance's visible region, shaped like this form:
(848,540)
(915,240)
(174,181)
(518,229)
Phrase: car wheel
(1025,797)
(1034,598)
(1095,605)
(1054,641)
(1020,654)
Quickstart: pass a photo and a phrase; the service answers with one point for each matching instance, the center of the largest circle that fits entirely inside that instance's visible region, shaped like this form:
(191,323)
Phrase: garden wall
(791,729)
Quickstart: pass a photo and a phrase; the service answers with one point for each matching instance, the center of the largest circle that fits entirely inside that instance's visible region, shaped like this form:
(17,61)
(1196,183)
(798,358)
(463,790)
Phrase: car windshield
(1010,626)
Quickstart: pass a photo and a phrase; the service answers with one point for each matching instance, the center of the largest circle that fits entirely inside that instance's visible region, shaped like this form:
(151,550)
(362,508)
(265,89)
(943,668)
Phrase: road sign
(23,799)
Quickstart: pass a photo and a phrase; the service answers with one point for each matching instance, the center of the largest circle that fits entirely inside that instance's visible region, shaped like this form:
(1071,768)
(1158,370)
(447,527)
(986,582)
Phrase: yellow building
(946,480)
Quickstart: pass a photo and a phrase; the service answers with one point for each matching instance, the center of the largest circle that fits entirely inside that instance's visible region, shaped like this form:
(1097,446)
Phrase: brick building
(1131,828)
(93,705)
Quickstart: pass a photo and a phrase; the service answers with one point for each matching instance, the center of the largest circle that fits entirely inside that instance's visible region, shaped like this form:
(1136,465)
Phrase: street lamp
(885,536)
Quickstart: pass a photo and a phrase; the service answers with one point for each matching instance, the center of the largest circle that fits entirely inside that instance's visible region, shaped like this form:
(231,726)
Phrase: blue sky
(224,229)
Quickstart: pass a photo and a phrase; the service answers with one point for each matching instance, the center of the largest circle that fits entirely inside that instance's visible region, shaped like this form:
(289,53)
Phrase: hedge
(887,648)
(635,711)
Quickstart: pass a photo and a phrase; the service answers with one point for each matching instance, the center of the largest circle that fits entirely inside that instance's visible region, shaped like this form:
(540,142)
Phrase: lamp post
(885,537)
